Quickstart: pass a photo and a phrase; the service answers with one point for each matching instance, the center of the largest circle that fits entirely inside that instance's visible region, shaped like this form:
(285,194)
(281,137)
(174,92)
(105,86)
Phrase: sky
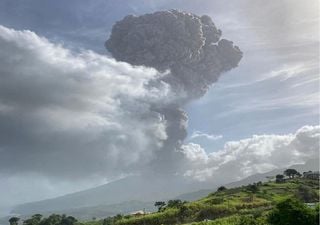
(62,93)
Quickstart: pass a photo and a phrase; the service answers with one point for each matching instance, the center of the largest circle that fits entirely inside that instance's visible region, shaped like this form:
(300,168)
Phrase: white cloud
(74,114)
(195,153)
(258,154)
(199,134)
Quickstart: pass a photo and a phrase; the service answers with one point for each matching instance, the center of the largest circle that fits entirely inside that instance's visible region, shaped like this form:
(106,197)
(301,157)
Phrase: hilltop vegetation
(255,204)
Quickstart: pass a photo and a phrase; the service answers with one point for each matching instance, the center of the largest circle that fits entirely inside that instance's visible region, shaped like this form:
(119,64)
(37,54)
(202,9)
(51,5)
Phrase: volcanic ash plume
(186,45)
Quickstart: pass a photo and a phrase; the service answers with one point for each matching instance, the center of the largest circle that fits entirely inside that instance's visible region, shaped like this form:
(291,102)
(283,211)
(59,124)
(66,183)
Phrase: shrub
(222,188)
(216,201)
(252,188)
(177,203)
(212,213)
(292,212)
(247,220)
(306,194)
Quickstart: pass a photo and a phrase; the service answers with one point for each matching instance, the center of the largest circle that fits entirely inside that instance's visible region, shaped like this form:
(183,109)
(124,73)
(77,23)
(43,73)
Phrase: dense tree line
(176,203)
(53,219)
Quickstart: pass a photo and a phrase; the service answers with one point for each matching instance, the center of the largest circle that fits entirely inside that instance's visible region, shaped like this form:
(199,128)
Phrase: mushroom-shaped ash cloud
(186,44)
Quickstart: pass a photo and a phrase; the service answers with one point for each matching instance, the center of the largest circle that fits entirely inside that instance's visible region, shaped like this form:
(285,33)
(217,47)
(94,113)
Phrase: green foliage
(231,220)
(34,220)
(183,213)
(222,188)
(215,201)
(160,205)
(252,201)
(117,217)
(14,220)
(169,216)
(253,188)
(176,203)
(247,220)
(68,220)
(53,219)
(292,212)
(306,194)
(235,206)
(212,212)
(317,216)
(280,178)
(291,173)
(107,221)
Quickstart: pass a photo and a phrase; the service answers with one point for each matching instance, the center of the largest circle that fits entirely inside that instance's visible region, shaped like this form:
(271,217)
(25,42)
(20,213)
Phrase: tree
(247,220)
(53,219)
(68,220)
(34,220)
(221,188)
(14,220)
(117,217)
(160,205)
(299,175)
(290,173)
(176,203)
(279,178)
(107,221)
(306,194)
(292,212)
(183,213)
(253,188)
(37,217)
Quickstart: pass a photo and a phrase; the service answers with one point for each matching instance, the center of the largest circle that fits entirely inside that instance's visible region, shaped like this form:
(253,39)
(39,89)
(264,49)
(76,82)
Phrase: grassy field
(225,207)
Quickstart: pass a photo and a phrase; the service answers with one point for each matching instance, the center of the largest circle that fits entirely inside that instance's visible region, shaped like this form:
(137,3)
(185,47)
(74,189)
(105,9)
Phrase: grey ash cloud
(186,44)
(190,48)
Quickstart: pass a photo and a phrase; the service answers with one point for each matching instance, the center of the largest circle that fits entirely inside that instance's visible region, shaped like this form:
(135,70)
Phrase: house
(138,213)
(314,175)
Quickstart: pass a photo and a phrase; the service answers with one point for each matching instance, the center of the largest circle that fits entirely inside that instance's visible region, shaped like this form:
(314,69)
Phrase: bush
(292,212)
(251,220)
(212,213)
(306,194)
(222,188)
(252,188)
(177,203)
(216,201)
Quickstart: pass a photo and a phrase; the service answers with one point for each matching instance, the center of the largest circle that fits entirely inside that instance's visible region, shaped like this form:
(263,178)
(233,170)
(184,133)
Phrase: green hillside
(270,203)
(230,206)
